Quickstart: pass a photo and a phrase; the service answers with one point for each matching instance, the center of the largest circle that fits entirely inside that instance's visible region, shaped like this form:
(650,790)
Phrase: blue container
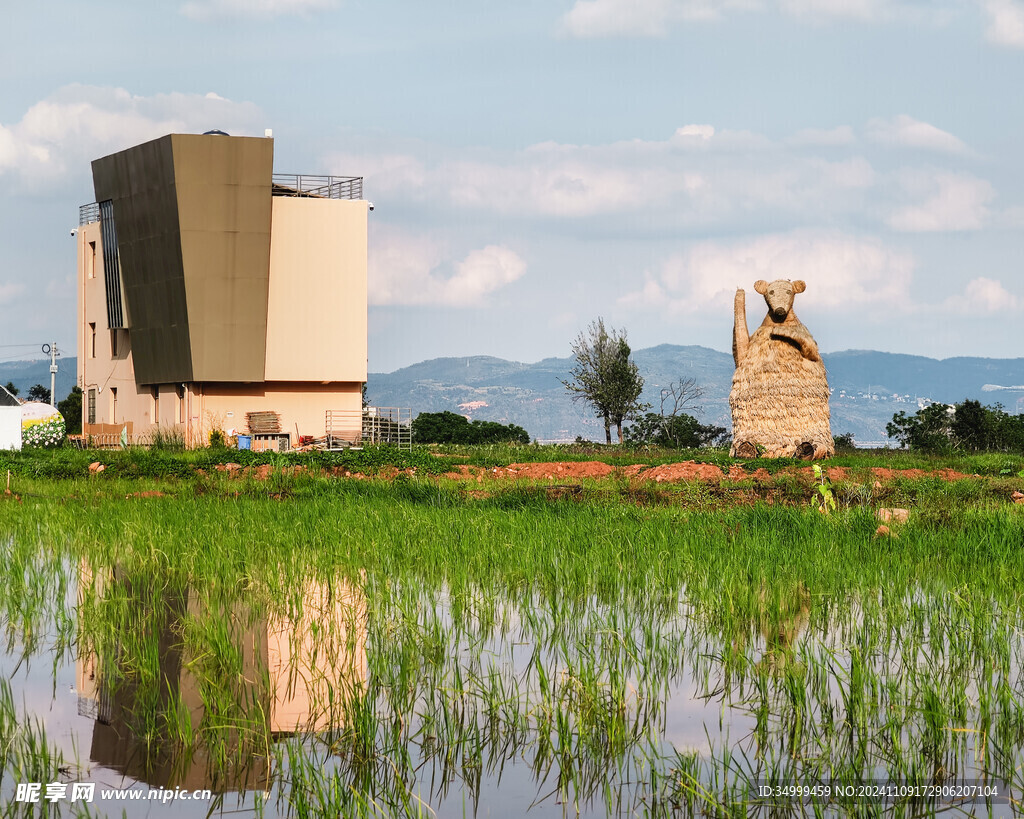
(245,442)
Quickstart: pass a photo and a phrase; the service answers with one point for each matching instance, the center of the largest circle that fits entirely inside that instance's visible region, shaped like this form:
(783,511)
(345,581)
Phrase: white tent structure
(10,421)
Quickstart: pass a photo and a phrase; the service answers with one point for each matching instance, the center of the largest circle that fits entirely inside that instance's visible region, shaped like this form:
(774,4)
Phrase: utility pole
(51,350)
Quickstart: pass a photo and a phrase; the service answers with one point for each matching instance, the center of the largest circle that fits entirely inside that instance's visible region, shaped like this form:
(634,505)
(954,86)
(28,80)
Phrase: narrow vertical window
(180,390)
(92,339)
(113,343)
(91,413)
(90,261)
(113,405)
(155,409)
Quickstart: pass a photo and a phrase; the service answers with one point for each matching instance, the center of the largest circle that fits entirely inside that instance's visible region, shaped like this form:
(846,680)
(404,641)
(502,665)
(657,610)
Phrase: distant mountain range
(867,387)
(26,374)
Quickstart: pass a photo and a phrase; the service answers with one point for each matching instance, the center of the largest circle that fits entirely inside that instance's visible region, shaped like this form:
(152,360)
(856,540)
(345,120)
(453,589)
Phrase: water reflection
(781,613)
(189,691)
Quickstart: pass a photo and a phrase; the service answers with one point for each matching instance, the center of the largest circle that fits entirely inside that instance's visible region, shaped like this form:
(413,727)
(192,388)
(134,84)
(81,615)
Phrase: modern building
(213,291)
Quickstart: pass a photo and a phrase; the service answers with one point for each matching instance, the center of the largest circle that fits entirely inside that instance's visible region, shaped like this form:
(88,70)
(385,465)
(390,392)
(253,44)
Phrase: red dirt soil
(563,471)
(559,470)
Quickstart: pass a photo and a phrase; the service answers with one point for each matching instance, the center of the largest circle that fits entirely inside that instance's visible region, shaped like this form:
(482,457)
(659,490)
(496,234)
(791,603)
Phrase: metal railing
(87,214)
(373,425)
(320,187)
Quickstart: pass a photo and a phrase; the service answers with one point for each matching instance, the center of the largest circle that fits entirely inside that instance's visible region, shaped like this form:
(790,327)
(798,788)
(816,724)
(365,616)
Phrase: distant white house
(10,421)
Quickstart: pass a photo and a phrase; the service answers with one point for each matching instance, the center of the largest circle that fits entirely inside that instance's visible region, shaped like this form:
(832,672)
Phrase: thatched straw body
(779,397)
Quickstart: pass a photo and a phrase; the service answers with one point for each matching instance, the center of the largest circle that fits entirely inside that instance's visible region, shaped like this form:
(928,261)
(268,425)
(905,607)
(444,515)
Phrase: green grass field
(618,651)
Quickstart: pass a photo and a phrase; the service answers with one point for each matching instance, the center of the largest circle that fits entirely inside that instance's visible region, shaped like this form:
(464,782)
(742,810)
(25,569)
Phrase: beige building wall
(316,314)
(302,406)
(105,368)
(223,188)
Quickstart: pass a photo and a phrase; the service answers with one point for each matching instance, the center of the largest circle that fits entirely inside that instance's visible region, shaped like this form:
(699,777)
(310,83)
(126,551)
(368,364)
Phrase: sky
(535,165)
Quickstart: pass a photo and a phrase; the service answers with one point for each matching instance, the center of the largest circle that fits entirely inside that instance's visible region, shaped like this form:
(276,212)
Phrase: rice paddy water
(311,647)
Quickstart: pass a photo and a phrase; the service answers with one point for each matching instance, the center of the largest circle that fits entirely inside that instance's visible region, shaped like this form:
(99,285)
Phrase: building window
(180,391)
(113,405)
(91,261)
(92,339)
(91,414)
(113,343)
(155,409)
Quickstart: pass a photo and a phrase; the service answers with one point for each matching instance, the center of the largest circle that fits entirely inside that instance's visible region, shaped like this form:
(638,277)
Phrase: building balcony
(282,184)
(318,187)
(87,214)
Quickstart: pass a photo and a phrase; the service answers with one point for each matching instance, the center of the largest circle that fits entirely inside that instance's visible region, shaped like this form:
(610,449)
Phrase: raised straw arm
(800,336)
(740,336)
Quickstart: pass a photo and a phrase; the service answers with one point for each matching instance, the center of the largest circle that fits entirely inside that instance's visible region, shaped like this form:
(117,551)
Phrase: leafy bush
(964,427)
(71,409)
(169,440)
(844,442)
(450,428)
(46,434)
(677,432)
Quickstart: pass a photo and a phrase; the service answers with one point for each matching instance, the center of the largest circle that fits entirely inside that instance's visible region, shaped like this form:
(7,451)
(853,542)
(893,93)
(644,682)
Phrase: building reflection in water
(227,684)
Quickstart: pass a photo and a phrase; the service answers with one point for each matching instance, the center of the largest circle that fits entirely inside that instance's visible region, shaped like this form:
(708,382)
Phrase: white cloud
(655,18)
(840,270)
(866,10)
(697,178)
(818,137)
(641,18)
(64,132)
(216,9)
(481,272)
(701,179)
(404,269)
(1005,22)
(905,131)
(385,172)
(704,132)
(945,201)
(400,265)
(8,292)
(982,296)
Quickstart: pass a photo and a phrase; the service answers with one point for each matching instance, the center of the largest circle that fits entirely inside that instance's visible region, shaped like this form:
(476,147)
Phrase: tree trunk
(607,430)
(618,428)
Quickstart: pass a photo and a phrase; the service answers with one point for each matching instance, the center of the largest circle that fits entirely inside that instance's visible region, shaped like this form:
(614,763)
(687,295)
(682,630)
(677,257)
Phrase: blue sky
(537,164)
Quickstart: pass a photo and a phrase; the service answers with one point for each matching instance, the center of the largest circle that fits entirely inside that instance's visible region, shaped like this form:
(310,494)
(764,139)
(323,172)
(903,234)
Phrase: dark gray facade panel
(193,218)
(140,182)
(111,267)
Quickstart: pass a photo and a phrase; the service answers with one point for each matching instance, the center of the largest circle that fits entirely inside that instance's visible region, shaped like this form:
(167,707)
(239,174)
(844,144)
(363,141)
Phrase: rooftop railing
(320,187)
(283,184)
(87,214)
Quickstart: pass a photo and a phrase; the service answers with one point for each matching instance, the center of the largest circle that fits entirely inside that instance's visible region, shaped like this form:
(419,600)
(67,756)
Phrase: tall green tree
(605,376)
(451,428)
(71,409)
(964,427)
(9,386)
(37,392)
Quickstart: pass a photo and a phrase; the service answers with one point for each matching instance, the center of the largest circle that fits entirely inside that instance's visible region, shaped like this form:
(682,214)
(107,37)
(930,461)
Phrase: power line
(19,357)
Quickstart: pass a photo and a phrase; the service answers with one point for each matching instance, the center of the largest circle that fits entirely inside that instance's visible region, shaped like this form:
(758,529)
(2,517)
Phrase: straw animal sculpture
(779,397)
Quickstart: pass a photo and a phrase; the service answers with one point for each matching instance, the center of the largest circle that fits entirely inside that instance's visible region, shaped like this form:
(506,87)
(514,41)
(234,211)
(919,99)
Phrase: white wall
(10,427)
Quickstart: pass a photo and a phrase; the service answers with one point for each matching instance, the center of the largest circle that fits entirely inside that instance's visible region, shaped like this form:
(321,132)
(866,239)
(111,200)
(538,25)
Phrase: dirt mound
(557,470)
(686,471)
(884,474)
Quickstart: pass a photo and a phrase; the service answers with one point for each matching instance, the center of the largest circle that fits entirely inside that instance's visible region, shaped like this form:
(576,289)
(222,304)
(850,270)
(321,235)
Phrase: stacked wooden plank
(263,423)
